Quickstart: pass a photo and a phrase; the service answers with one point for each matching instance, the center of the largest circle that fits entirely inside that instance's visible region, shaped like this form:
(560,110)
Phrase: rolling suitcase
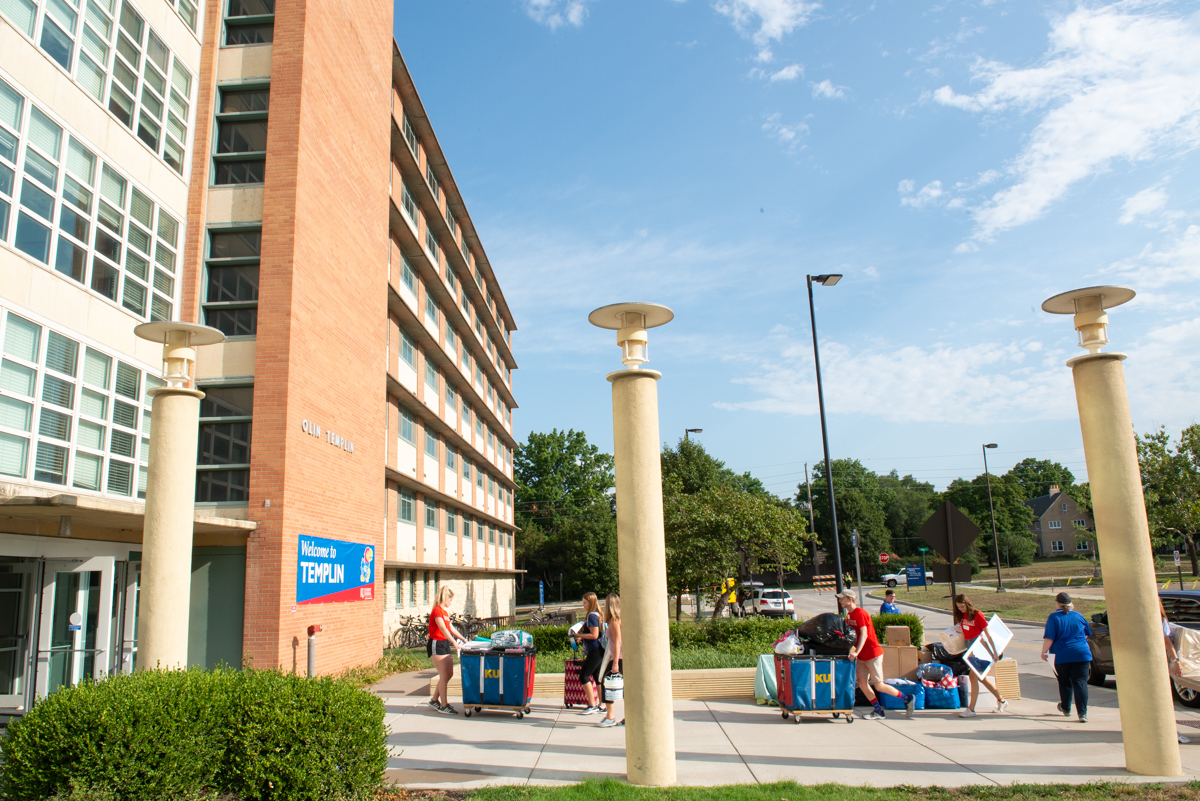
(572,688)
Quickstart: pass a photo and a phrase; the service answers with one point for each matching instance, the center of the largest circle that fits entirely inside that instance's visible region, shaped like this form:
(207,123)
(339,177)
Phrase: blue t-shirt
(593,619)
(888,609)
(1068,633)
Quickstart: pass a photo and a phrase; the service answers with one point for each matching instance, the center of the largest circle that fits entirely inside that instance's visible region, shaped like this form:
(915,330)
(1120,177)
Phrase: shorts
(870,669)
(438,648)
(590,669)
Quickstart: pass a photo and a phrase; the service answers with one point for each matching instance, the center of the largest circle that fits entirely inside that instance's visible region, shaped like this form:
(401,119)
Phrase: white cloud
(826,89)
(774,18)
(929,194)
(1114,85)
(1147,201)
(789,73)
(1163,374)
(556,13)
(1154,269)
(906,186)
(788,134)
(988,382)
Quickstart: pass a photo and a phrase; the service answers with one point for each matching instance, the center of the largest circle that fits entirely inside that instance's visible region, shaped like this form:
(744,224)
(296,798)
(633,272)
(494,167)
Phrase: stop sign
(883,557)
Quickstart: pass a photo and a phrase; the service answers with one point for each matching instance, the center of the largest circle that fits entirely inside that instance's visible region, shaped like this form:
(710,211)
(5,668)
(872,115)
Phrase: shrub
(253,734)
(916,629)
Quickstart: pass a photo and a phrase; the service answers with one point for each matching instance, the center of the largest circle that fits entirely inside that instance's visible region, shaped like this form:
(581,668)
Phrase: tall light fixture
(687,431)
(825,280)
(992,509)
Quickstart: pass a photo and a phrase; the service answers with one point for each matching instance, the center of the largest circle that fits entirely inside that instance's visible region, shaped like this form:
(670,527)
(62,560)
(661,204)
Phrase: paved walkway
(735,741)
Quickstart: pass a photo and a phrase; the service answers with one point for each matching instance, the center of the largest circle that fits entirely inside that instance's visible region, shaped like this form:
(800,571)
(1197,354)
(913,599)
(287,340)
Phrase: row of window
(64,206)
(249,22)
(120,61)
(1057,524)
(455,520)
(71,415)
(1057,546)
(433,446)
(410,207)
(407,582)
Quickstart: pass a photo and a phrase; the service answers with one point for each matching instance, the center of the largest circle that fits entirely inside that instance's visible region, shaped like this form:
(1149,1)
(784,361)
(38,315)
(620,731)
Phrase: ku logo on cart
(329,571)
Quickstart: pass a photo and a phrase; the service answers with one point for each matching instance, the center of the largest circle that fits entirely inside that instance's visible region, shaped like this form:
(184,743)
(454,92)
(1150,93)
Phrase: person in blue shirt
(1066,637)
(888,607)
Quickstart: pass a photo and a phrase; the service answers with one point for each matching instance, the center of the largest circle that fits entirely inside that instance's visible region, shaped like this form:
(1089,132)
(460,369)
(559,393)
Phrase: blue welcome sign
(328,571)
(916,575)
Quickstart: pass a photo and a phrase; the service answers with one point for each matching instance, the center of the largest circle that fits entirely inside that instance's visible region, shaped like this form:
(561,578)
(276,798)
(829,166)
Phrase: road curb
(871,594)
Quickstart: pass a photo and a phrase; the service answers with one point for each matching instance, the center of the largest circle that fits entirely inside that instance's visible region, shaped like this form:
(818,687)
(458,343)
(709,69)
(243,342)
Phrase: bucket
(614,688)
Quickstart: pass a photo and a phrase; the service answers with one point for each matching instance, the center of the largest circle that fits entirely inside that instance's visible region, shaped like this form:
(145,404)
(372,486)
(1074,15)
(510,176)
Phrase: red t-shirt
(974,627)
(859,619)
(435,633)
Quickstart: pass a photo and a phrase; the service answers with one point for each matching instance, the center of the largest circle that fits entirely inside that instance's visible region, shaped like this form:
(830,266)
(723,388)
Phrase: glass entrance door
(75,632)
(17,596)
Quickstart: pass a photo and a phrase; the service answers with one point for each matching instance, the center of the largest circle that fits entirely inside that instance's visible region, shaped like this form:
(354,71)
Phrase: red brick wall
(322,323)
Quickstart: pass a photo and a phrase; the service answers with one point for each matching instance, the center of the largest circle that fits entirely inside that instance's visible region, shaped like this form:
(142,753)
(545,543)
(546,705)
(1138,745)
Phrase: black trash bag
(838,648)
(953,661)
(828,629)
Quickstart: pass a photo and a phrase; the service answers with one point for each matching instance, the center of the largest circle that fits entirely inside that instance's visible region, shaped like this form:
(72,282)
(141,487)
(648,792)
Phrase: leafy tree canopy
(1036,476)
(1171,485)
(697,470)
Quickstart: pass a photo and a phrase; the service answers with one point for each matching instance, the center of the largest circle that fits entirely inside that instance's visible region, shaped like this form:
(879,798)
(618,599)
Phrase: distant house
(1056,519)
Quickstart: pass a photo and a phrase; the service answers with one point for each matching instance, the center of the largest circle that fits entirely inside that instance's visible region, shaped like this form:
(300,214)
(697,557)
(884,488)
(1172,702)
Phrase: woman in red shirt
(974,625)
(440,648)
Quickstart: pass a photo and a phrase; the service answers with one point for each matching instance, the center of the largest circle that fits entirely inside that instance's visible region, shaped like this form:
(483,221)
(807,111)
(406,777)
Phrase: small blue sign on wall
(328,571)
(916,575)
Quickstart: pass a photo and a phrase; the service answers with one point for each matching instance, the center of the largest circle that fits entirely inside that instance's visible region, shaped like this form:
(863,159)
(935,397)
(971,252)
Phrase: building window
(223,463)
(432,246)
(451,398)
(431,445)
(1055,524)
(479,480)
(452,224)
(466,251)
(451,523)
(451,464)
(491,535)
(452,339)
(479,530)
(412,588)
(407,203)
(466,467)
(1064,506)
(1080,523)
(452,282)
(431,516)
(81,217)
(409,274)
(1082,546)
(241,155)
(78,414)
(425,587)
(432,180)
(431,376)
(1057,546)
(437,582)
(407,515)
(408,349)
(400,588)
(249,22)
(431,310)
(408,427)
(410,136)
(231,285)
(1037,525)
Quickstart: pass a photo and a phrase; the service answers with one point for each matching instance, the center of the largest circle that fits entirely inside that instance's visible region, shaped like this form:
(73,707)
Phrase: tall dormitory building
(269,171)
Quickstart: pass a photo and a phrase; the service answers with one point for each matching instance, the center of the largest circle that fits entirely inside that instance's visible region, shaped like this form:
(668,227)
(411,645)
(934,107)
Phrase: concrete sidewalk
(735,741)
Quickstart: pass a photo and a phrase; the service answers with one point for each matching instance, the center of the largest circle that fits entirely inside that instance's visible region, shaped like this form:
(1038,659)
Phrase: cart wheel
(467,711)
(478,709)
(528,710)
(520,715)
(796,719)
(784,713)
(849,717)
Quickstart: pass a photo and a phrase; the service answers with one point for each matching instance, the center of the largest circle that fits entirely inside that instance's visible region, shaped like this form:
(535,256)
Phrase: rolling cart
(498,680)
(813,684)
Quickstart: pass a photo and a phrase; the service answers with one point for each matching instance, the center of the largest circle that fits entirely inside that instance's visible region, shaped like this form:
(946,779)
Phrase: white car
(892,579)
(772,602)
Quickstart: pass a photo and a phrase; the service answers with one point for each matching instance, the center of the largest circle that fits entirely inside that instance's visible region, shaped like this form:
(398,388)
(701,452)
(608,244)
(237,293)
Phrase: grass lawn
(1053,566)
(1009,605)
(611,790)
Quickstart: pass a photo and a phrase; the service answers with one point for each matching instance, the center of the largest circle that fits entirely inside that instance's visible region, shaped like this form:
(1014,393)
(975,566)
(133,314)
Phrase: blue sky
(959,162)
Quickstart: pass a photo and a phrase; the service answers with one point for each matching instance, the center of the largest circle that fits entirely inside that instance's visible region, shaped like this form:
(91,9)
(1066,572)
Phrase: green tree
(907,511)
(697,470)
(1171,485)
(1013,517)
(1036,476)
(861,501)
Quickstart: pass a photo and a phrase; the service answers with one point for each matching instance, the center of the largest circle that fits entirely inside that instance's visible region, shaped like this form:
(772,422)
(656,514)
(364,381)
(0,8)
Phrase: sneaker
(1000,707)
(448,710)
(909,706)
(608,722)
(1083,717)
(873,715)
(433,702)
(589,710)
(967,713)
(1066,712)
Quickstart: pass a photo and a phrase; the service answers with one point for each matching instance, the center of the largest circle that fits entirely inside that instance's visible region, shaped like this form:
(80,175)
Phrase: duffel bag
(941,698)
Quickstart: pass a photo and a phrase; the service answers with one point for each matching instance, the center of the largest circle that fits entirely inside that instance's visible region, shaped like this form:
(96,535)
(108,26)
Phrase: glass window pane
(247,100)
(22,338)
(112,218)
(216,486)
(168,229)
(99,20)
(131,21)
(55,425)
(42,169)
(120,477)
(232,283)
(129,381)
(51,464)
(105,278)
(36,200)
(148,131)
(14,453)
(262,33)
(22,14)
(87,471)
(121,443)
(250,8)
(141,208)
(62,354)
(112,186)
(157,51)
(15,414)
(56,43)
(77,196)
(173,155)
(33,238)
(164,257)
(91,435)
(59,392)
(107,245)
(17,378)
(44,133)
(11,103)
(134,296)
(81,161)
(241,137)
(224,443)
(125,414)
(181,79)
(140,240)
(96,369)
(120,103)
(227,402)
(93,404)
(71,259)
(240,172)
(237,244)
(160,309)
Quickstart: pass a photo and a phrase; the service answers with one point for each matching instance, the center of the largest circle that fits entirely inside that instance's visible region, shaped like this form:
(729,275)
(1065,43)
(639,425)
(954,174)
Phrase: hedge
(916,629)
(257,735)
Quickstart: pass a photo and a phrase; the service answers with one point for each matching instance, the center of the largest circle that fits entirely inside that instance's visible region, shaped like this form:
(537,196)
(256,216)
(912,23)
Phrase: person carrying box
(869,665)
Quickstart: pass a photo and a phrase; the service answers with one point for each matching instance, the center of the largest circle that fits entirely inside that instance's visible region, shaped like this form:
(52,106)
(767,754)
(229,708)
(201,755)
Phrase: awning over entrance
(86,517)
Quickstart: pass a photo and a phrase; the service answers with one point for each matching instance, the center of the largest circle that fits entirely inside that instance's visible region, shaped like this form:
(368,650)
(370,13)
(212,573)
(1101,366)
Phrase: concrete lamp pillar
(165,593)
(1123,535)
(641,548)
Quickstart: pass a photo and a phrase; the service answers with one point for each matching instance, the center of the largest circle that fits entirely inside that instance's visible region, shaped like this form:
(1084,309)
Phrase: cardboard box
(898,635)
(899,662)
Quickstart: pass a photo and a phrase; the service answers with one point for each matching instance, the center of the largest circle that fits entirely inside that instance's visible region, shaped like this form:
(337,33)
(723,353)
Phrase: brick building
(1057,519)
(275,177)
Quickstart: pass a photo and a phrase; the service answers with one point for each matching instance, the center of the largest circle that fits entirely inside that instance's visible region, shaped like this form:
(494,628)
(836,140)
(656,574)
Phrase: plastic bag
(511,638)
(571,632)
(828,629)
(789,645)
(933,671)
(953,661)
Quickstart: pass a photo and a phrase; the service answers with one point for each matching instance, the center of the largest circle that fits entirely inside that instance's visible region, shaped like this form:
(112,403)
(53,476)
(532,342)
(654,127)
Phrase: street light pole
(687,431)
(992,509)
(825,280)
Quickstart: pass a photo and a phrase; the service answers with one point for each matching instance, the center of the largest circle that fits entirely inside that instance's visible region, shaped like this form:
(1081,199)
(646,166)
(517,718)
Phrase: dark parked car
(1183,609)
